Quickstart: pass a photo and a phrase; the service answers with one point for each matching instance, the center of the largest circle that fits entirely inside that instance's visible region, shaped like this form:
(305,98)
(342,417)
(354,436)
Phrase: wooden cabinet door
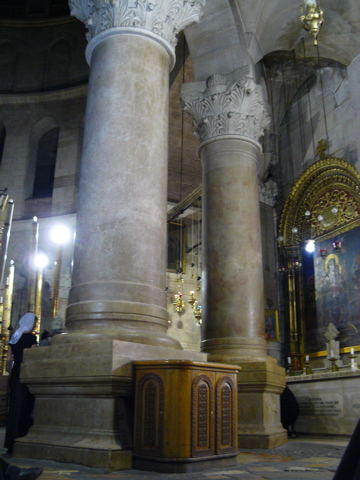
(226,415)
(203,416)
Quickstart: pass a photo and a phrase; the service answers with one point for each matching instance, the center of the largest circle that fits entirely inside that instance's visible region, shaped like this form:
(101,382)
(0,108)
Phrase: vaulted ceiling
(237,28)
(230,33)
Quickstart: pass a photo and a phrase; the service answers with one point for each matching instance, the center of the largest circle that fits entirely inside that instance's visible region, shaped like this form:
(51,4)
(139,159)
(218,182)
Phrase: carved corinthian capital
(230,104)
(165,18)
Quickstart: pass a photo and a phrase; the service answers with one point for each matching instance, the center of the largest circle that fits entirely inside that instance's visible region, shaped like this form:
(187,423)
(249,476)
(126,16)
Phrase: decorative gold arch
(328,183)
(323,203)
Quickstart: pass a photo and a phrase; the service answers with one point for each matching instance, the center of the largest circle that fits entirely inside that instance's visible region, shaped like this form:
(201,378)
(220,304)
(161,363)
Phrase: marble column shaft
(83,382)
(229,115)
(232,263)
(118,285)
(119,268)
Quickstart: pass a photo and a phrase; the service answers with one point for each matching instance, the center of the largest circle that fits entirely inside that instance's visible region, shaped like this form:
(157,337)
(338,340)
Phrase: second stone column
(229,115)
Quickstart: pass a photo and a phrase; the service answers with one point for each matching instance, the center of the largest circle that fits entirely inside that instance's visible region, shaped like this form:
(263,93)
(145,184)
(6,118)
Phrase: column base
(265,442)
(259,387)
(260,382)
(84,407)
(108,459)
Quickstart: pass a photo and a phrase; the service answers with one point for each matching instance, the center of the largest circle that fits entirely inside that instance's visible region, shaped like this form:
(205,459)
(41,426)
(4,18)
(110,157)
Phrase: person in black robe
(289,411)
(11,472)
(349,466)
(21,404)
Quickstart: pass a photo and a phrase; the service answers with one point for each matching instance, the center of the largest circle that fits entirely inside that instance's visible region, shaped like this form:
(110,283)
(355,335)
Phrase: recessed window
(45,164)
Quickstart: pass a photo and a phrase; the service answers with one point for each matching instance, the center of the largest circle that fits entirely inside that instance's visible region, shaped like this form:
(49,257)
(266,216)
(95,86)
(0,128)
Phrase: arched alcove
(45,164)
(323,286)
(41,167)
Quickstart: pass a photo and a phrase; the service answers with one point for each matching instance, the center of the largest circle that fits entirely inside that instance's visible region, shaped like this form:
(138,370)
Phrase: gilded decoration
(328,183)
(323,286)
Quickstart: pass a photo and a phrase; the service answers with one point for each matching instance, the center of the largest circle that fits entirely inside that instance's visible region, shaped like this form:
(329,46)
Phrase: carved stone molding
(165,18)
(268,192)
(230,104)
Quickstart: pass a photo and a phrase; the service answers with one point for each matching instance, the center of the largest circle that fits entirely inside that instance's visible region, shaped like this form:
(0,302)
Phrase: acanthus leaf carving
(165,18)
(230,104)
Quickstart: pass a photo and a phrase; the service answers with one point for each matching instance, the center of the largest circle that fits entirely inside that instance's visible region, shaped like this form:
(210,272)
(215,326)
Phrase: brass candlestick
(307,368)
(334,367)
(353,364)
(6,315)
(289,369)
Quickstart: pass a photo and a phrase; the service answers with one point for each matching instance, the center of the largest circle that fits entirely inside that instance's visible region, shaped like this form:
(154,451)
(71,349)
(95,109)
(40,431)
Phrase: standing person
(19,418)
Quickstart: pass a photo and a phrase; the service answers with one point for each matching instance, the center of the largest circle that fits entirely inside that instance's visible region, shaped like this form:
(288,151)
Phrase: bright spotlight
(310,246)
(41,260)
(59,234)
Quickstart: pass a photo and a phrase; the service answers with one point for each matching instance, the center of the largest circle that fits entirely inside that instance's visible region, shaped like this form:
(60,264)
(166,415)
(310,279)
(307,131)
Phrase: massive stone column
(229,115)
(120,251)
(83,382)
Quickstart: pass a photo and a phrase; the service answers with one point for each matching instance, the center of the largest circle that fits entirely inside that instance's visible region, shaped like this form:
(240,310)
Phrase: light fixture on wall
(313,18)
(310,246)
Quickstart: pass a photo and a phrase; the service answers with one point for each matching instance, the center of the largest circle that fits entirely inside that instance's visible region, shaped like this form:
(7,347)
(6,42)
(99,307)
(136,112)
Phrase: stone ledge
(322,376)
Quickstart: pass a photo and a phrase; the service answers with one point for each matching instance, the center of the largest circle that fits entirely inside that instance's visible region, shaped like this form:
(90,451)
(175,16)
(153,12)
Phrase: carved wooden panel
(226,418)
(203,416)
(149,414)
(177,419)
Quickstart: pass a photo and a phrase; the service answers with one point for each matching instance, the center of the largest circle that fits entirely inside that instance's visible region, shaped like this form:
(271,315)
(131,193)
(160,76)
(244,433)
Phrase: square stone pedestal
(260,385)
(84,408)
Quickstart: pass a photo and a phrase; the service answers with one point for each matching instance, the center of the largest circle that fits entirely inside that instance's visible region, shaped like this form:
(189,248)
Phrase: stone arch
(328,182)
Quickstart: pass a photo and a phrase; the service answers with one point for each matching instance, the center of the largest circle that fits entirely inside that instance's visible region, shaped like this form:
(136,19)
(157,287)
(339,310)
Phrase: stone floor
(300,459)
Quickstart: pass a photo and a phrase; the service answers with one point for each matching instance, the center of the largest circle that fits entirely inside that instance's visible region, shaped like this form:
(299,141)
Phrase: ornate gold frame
(323,181)
(328,182)
(274,316)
